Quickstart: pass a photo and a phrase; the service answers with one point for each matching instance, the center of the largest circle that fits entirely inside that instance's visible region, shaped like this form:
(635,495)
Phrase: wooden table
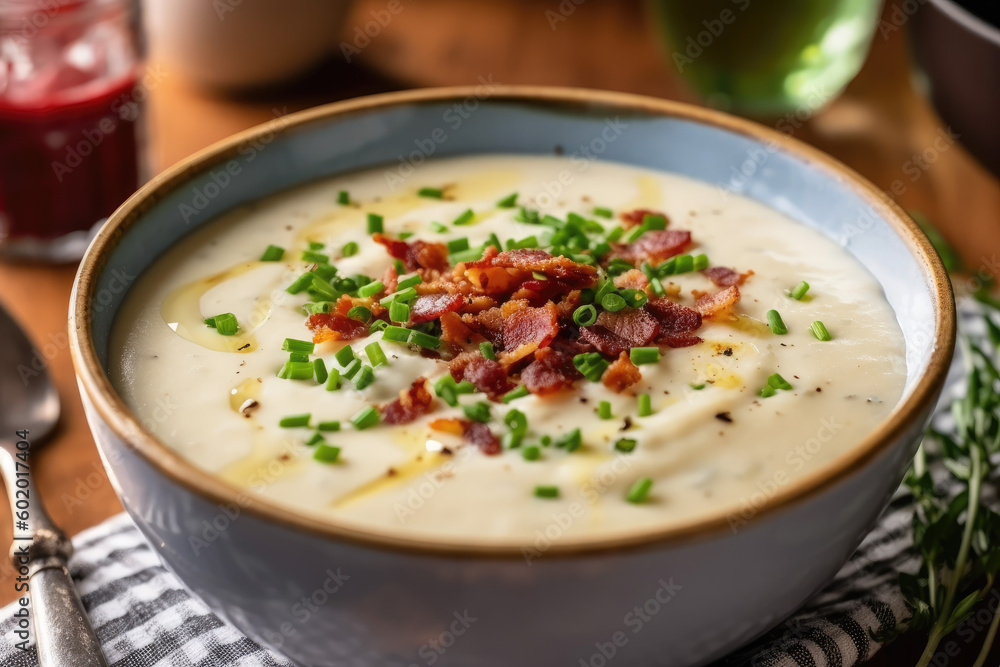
(877,127)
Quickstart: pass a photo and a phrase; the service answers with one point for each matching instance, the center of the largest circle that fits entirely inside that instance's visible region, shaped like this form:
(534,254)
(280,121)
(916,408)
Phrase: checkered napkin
(144,616)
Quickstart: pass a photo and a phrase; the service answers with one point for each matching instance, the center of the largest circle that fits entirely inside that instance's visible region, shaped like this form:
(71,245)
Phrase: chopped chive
(366,418)
(295,370)
(364,377)
(700,262)
(377,325)
(316,245)
(273,254)
(439,228)
(634,298)
(371,289)
(492,240)
(350,249)
(778,382)
(478,412)
(226,324)
(644,355)
(344,355)
(470,255)
(625,445)
(376,355)
(612,302)
(328,426)
(464,218)
(375,223)
(327,453)
(352,369)
(639,491)
(325,271)
(486,349)
(295,421)
(685,264)
(514,394)
(591,365)
(645,405)
(614,235)
(319,370)
(542,491)
(602,212)
(399,266)
(571,441)
(446,390)
(546,440)
(315,439)
(819,330)
(296,345)
(409,281)
(298,356)
(697,387)
(465,387)
(775,322)
(430,193)
(301,283)
(604,410)
(407,294)
(767,391)
(210,322)
(343,198)
(399,311)
(360,313)
(333,380)
(584,316)
(511,440)
(799,291)
(516,421)
(458,245)
(510,201)
(315,257)
(531,453)
(657,287)
(319,307)
(424,339)
(395,334)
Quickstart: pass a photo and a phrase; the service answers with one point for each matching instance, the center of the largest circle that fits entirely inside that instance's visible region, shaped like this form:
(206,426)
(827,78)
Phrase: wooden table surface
(877,127)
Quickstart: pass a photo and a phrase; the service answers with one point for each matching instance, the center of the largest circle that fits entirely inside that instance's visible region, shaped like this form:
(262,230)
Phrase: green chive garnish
(775,322)
(315,439)
(431,193)
(439,228)
(779,382)
(697,387)
(343,198)
(352,368)
(584,316)
(644,355)
(645,405)
(396,334)
(273,254)
(514,394)
(295,421)
(315,257)
(350,249)
(591,365)
(799,291)
(366,418)
(639,491)
(326,453)
(298,356)
(375,223)
(532,453)
(634,298)
(360,313)
(296,370)
(604,410)
(376,355)
(613,302)
(819,330)
(767,391)
(546,491)
(458,245)
(296,345)
(477,412)
(371,289)
(319,370)
(225,324)
(510,201)
(424,340)
(625,445)
(486,349)
(399,311)
(464,218)
(344,355)
(409,281)
(333,380)
(364,377)
(328,426)
(377,325)
(301,283)
(603,212)
(408,294)
(516,421)
(570,441)
(700,262)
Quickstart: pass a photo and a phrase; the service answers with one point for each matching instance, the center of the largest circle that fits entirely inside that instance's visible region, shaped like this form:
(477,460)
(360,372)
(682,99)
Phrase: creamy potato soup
(500,342)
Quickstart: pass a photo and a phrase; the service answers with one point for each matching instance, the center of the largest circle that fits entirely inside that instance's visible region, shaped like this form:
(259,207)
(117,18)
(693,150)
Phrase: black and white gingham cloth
(144,616)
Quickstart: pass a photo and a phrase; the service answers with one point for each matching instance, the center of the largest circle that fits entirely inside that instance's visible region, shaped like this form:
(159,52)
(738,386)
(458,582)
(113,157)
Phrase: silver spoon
(29,410)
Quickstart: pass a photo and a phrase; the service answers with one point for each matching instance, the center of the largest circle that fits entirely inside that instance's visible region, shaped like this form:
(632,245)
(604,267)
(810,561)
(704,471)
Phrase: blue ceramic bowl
(326,594)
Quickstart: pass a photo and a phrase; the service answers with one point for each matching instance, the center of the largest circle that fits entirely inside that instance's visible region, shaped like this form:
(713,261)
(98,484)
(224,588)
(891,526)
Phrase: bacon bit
(655,246)
(454,331)
(333,326)
(502,272)
(621,374)
(480,435)
(419,254)
(526,330)
(632,279)
(677,323)
(433,306)
(632,218)
(447,425)
(614,333)
(568,304)
(725,277)
(488,376)
(477,304)
(413,402)
(551,371)
(390,279)
(710,305)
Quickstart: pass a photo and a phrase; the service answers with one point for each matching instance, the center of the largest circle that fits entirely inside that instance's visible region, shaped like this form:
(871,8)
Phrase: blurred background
(97,96)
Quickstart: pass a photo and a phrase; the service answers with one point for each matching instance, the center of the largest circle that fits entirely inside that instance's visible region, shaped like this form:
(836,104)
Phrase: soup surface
(468,354)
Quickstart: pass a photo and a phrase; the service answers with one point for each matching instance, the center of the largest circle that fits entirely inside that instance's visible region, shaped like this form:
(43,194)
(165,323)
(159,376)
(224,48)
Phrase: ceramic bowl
(327,594)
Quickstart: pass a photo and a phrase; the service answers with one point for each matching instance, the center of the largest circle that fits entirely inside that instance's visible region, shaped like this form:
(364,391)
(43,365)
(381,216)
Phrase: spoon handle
(63,634)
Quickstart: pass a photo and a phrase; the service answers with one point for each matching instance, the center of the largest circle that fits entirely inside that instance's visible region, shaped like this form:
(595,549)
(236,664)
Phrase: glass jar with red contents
(71,121)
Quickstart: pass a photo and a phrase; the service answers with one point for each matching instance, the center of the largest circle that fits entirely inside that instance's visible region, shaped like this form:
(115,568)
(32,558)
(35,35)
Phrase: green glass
(767,58)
